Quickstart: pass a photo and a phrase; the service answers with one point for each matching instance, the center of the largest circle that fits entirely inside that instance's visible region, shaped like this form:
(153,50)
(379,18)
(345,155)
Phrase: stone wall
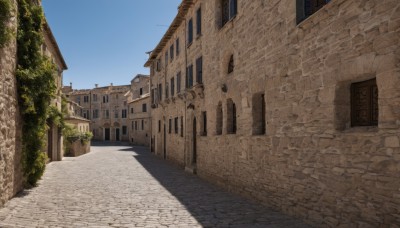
(138,134)
(10,132)
(310,162)
(77,148)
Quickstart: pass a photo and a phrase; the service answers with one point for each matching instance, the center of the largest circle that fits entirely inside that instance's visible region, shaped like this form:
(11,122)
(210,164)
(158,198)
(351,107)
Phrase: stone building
(11,176)
(10,125)
(293,103)
(139,110)
(74,117)
(50,48)
(107,109)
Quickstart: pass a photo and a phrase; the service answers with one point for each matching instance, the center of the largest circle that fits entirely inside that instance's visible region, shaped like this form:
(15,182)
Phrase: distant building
(106,108)
(139,111)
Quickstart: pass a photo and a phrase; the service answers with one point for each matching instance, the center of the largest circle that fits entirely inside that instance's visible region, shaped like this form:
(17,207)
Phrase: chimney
(96,85)
(111,84)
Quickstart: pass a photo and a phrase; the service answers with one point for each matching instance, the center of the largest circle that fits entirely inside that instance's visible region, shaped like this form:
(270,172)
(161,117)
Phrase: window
(132,125)
(106,114)
(95,114)
(172,87)
(181,126)
(166,58)
(177,46)
(116,113)
(189,76)
(86,114)
(144,107)
(198,20)
(131,110)
(124,113)
(152,96)
(190,31)
(166,91)
(105,99)
(160,92)
(231,65)
(178,82)
(78,100)
(219,119)
(176,124)
(159,126)
(94,97)
(158,65)
(169,126)
(136,125)
(364,103)
(204,123)
(85,99)
(142,125)
(258,113)
(306,8)
(171,52)
(140,91)
(124,130)
(228,10)
(231,118)
(199,70)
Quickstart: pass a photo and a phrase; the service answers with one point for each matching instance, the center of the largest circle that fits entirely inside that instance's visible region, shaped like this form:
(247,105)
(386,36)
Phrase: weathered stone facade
(107,109)
(139,111)
(276,95)
(54,145)
(10,122)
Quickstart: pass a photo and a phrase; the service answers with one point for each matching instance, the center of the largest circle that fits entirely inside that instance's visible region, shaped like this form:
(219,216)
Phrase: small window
(124,130)
(159,126)
(204,123)
(364,103)
(306,8)
(177,46)
(190,31)
(170,126)
(142,125)
(219,118)
(181,126)
(228,10)
(166,91)
(171,52)
(132,125)
(144,107)
(198,20)
(158,65)
(131,110)
(189,76)
(178,82)
(172,87)
(231,65)
(141,91)
(176,124)
(166,58)
(199,70)
(231,118)
(136,126)
(160,92)
(124,113)
(258,113)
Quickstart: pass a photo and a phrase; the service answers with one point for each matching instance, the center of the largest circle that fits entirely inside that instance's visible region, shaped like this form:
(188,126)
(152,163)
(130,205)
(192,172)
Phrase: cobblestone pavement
(117,186)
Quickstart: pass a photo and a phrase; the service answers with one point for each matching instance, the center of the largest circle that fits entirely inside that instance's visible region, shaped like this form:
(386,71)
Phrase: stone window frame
(172,86)
(169,126)
(124,114)
(231,116)
(371,97)
(228,11)
(190,32)
(199,70)
(259,114)
(189,76)
(198,22)
(171,52)
(176,119)
(182,126)
(144,107)
(306,8)
(203,122)
(343,106)
(142,125)
(178,82)
(219,119)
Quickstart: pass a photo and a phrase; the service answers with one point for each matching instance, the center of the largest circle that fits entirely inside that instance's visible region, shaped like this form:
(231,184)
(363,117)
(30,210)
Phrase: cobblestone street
(117,186)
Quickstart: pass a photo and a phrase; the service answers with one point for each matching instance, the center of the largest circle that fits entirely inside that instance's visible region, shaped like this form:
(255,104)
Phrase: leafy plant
(36,88)
(5,13)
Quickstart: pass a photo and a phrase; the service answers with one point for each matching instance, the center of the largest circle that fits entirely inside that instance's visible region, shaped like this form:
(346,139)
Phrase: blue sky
(105,41)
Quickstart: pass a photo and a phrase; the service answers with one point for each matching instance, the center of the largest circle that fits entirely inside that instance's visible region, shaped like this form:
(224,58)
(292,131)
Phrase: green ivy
(36,88)
(5,13)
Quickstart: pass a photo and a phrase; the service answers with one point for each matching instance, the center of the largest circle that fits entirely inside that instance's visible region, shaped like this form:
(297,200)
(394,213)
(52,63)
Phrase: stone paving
(121,186)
